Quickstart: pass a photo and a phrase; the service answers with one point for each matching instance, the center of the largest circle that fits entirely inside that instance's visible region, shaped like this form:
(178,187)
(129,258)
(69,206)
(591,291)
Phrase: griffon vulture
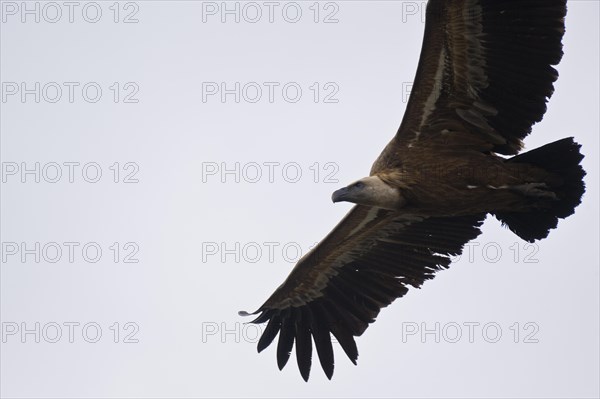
(483,79)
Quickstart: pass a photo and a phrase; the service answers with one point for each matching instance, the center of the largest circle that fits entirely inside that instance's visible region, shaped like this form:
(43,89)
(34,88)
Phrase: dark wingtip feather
(322,339)
(286,341)
(264,316)
(269,334)
(304,342)
(243,313)
(346,341)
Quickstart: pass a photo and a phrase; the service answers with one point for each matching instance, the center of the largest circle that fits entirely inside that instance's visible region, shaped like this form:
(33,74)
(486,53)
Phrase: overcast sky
(164,164)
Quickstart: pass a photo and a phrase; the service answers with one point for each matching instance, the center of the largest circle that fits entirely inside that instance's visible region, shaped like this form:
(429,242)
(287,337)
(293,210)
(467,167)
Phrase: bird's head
(370,191)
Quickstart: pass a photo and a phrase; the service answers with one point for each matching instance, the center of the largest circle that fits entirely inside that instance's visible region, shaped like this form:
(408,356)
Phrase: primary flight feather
(483,79)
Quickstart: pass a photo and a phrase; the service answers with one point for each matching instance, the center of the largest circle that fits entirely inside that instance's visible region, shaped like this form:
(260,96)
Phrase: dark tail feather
(561,158)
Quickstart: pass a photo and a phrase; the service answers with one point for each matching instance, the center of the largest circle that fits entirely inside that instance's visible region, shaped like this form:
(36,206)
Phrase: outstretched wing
(485,69)
(367,261)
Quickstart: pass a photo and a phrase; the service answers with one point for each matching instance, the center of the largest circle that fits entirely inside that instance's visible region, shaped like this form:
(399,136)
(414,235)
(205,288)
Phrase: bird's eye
(359,185)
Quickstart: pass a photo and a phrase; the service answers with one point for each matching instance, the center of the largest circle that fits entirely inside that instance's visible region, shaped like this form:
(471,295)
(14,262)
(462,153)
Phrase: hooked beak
(340,195)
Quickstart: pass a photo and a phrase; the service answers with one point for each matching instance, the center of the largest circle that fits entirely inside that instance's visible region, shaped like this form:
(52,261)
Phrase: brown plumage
(483,79)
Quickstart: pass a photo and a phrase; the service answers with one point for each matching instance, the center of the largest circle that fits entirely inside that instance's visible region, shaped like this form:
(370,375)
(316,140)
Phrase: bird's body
(483,79)
(468,180)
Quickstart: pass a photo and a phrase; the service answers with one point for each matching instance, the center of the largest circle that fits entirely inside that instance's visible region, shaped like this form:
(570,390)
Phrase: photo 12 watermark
(253,252)
(71,92)
(416,10)
(269,172)
(451,332)
(69,252)
(69,12)
(69,172)
(253,12)
(269,252)
(494,252)
(270,92)
(53,332)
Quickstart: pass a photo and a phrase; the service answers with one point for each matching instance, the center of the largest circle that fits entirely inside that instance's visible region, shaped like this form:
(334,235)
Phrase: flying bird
(483,79)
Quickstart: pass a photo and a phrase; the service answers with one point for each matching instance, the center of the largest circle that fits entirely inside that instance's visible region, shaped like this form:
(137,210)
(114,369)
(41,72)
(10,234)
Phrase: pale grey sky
(184,160)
